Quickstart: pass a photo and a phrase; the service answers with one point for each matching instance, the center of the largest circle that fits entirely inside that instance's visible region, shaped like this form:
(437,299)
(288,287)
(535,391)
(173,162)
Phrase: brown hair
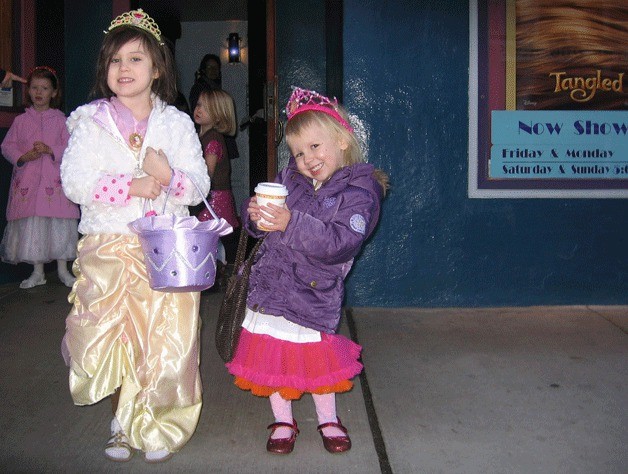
(572,39)
(45,72)
(219,105)
(164,86)
(352,154)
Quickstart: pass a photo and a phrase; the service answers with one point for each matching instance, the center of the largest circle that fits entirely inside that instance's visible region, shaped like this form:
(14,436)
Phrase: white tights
(325,411)
(39,278)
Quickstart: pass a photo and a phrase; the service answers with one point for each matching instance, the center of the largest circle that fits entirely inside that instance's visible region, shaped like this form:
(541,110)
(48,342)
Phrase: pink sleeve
(178,183)
(214,148)
(12,146)
(113,189)
(59,147)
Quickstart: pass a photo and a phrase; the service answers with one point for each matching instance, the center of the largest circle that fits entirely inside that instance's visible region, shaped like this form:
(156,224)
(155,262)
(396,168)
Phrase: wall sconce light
(234,48)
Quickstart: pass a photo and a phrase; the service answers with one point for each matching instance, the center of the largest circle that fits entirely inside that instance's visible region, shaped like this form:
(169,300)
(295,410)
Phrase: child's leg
(282,409)
(326,412)
(335,437)
(36,278)
(115,398)
(284,429)
(64,275)
(118,447)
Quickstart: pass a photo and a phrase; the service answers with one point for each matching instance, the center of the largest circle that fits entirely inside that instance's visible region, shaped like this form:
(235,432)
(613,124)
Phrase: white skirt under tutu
(39,240)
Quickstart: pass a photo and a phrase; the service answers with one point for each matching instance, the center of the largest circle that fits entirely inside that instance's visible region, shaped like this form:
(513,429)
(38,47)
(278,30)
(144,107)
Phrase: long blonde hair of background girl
(219,106)
(353,153)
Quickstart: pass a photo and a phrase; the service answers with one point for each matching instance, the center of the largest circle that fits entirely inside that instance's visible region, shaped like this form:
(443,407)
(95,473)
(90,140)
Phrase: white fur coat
(96,148)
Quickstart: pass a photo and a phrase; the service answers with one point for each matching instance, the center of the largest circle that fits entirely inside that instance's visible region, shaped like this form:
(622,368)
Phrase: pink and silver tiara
(138,19)
(302,100)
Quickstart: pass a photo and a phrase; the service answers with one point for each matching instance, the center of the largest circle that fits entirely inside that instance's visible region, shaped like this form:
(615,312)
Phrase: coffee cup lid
(271,188)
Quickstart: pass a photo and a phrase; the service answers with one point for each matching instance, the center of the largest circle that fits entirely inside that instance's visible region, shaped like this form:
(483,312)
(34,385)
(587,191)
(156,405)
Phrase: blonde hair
(352,154)
(219,106)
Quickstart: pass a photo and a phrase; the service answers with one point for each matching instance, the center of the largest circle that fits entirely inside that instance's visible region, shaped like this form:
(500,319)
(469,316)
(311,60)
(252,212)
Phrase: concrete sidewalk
(511,390)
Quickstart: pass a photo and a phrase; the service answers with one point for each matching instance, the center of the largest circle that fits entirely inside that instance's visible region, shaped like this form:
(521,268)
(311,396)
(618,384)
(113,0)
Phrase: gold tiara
(138,19)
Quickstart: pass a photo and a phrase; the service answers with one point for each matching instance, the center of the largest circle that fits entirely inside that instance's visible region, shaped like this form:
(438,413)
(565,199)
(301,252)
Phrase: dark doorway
(170,13)
(258,135)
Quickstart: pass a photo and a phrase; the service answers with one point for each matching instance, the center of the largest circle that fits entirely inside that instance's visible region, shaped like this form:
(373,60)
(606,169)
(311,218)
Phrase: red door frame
(273,124)
(27,54)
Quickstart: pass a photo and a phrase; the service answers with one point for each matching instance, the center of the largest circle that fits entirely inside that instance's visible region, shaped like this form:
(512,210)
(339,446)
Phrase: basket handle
(163,210)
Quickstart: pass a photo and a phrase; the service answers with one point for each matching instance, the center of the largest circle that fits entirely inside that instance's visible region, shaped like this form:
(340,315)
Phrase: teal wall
(406,73)
(84,25)
(300,47)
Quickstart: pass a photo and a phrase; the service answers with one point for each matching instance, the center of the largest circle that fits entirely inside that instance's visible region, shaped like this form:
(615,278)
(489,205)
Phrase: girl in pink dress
(215,114)
(42,222)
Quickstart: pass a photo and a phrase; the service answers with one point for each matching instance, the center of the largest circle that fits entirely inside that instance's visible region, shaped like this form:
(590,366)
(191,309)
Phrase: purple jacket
(299,274)
(36,185)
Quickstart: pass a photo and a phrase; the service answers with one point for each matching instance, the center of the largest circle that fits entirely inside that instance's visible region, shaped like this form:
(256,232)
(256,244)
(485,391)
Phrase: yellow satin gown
(121,333)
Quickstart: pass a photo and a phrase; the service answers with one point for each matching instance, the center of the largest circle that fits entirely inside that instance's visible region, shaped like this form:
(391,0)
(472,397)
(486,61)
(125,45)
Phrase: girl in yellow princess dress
(122,338)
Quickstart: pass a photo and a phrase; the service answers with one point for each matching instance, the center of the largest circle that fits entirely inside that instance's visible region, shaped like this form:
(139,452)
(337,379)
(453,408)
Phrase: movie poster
(549,100)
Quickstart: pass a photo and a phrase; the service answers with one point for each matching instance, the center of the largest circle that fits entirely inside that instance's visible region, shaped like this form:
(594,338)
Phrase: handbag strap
(241,252)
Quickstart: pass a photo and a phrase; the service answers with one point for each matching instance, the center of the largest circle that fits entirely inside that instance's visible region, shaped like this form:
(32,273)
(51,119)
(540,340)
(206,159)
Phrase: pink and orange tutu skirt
(264,365)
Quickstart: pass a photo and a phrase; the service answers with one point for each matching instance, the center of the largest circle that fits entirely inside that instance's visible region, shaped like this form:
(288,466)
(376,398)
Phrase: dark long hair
(200,72)
(165,86)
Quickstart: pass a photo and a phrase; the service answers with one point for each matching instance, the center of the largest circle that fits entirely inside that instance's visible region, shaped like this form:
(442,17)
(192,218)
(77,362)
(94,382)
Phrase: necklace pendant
(136,140)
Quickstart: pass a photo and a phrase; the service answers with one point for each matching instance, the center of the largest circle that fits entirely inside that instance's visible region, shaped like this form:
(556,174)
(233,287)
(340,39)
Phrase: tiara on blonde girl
(139,19)
(303,100)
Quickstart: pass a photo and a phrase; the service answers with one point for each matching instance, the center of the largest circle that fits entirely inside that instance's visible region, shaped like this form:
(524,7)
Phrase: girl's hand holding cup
(275,217)
(269,210)
(254,210)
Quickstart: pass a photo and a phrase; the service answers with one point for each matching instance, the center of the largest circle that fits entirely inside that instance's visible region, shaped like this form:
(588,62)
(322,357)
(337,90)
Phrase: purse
(180,251)
(233,307)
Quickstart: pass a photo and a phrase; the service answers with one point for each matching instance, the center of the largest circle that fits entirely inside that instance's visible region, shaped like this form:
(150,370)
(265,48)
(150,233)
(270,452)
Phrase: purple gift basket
(180,252)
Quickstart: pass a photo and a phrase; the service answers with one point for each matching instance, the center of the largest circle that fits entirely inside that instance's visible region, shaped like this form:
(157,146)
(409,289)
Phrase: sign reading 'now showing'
(559,144)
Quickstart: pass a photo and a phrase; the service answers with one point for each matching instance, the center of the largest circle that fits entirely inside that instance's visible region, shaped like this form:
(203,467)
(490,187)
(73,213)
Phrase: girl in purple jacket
(288,345)
(42,222)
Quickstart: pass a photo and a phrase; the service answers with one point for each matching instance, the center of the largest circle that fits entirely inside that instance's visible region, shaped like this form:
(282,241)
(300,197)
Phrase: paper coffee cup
(273,193)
